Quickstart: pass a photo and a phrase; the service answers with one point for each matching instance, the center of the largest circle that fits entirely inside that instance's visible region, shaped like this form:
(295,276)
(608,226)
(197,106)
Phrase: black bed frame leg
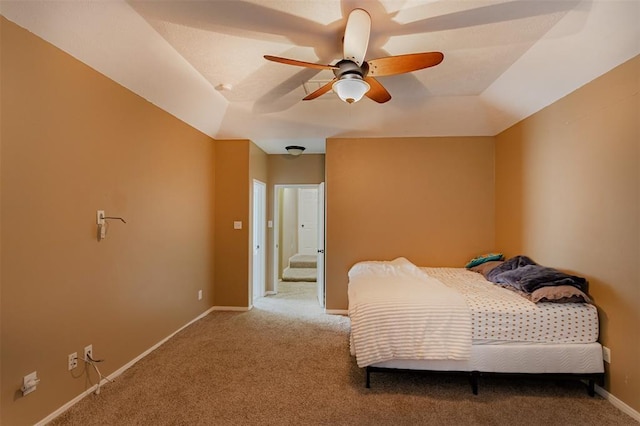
(368,385)
(592,381)
(473,379)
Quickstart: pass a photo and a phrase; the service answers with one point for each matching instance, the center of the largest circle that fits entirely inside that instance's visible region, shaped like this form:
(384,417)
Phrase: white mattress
(516,358)
(499,315)
(398,311)
(512,334)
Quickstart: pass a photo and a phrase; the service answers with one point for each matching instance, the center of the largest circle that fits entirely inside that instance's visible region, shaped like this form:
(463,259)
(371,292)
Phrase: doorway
(299,236)
(259,237)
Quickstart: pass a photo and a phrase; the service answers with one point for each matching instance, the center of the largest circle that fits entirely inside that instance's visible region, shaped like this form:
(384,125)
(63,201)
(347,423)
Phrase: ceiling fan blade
(356,36)
(377,92)
(321,91)
(401,64)
(299,63)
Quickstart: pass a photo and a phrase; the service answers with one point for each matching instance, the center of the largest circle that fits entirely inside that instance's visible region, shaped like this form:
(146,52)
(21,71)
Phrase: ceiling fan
(355,77)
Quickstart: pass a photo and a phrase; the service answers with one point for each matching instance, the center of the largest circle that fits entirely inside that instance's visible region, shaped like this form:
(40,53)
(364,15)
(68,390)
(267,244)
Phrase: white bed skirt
(516,358)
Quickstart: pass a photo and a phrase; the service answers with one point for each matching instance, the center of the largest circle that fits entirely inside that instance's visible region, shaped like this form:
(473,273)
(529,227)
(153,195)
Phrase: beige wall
(74,142)
(232,204)
(288,170)
(238,162)
(430,200)
(304,169)
(568,195)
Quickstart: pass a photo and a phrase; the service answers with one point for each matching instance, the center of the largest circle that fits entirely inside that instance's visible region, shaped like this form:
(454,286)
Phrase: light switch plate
(237,224)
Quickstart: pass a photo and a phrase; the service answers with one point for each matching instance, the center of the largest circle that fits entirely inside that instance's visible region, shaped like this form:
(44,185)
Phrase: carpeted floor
(287,363)
(302,267)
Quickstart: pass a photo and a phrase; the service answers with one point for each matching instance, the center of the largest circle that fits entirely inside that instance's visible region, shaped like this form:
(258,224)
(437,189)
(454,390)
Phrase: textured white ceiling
(504,60)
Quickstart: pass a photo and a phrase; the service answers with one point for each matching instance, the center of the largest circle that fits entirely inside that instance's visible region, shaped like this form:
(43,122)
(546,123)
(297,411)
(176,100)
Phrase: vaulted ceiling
(202,61)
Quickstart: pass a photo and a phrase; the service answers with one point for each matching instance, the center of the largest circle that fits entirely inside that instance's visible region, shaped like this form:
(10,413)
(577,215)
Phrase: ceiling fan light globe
(351,89)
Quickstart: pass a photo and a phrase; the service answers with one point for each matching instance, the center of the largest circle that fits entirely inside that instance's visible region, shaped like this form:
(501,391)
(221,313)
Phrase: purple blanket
(524,274)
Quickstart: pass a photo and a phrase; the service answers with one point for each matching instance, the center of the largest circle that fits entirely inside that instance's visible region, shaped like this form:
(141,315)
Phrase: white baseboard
(231,308)
(617,403)
(336,311)
(66,406)
(118,372)
(270,293)
(599,390)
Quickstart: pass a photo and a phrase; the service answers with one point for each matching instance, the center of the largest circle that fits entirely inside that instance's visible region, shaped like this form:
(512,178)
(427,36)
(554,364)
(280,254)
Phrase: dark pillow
(483,258)
(509,265)
(485,267)
(559,294)
(531,277)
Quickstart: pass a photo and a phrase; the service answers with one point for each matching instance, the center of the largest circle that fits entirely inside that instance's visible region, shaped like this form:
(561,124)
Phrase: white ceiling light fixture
(295,150)
(351,88)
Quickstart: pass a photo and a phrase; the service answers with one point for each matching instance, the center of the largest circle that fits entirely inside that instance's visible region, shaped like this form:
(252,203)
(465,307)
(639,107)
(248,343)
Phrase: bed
(404,317)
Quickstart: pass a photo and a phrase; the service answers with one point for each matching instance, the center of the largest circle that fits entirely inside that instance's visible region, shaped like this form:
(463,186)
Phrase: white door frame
(322,221)
(258,240)
(277,225)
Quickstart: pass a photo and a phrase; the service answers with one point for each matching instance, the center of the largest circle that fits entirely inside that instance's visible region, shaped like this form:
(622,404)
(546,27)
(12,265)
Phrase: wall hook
(101,220)
(118,218)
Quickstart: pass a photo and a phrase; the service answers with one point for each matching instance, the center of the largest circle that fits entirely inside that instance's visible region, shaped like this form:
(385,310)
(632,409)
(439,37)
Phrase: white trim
(65,407)
(617,403)
(118,372)
(232,308)
(599,390)
(270,293)
(336,311)
(262,241)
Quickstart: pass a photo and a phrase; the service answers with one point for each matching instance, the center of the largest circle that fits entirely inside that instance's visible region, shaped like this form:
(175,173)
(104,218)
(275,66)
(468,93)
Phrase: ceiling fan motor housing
(349,69)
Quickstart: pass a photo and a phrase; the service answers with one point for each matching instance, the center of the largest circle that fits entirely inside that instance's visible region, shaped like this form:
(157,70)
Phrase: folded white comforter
(397,311)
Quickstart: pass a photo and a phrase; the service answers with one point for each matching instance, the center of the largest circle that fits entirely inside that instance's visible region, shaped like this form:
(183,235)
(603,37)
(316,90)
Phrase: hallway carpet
(285,362)
(302,267)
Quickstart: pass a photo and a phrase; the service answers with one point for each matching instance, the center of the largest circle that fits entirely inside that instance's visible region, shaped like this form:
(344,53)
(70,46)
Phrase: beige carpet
(286,363)
(303,261)
(302,267)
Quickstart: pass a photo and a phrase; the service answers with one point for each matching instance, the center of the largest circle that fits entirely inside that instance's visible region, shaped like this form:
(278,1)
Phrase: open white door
(307,220)
(259,221)
(320,242)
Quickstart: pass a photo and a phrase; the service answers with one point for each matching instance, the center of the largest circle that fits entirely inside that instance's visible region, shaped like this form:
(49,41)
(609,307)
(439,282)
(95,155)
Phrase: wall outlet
(199,294)
(72,360)
(606,354)
(88,350)
(29,383)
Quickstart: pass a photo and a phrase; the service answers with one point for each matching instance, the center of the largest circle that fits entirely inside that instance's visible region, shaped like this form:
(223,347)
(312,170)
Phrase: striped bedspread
(397,311)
